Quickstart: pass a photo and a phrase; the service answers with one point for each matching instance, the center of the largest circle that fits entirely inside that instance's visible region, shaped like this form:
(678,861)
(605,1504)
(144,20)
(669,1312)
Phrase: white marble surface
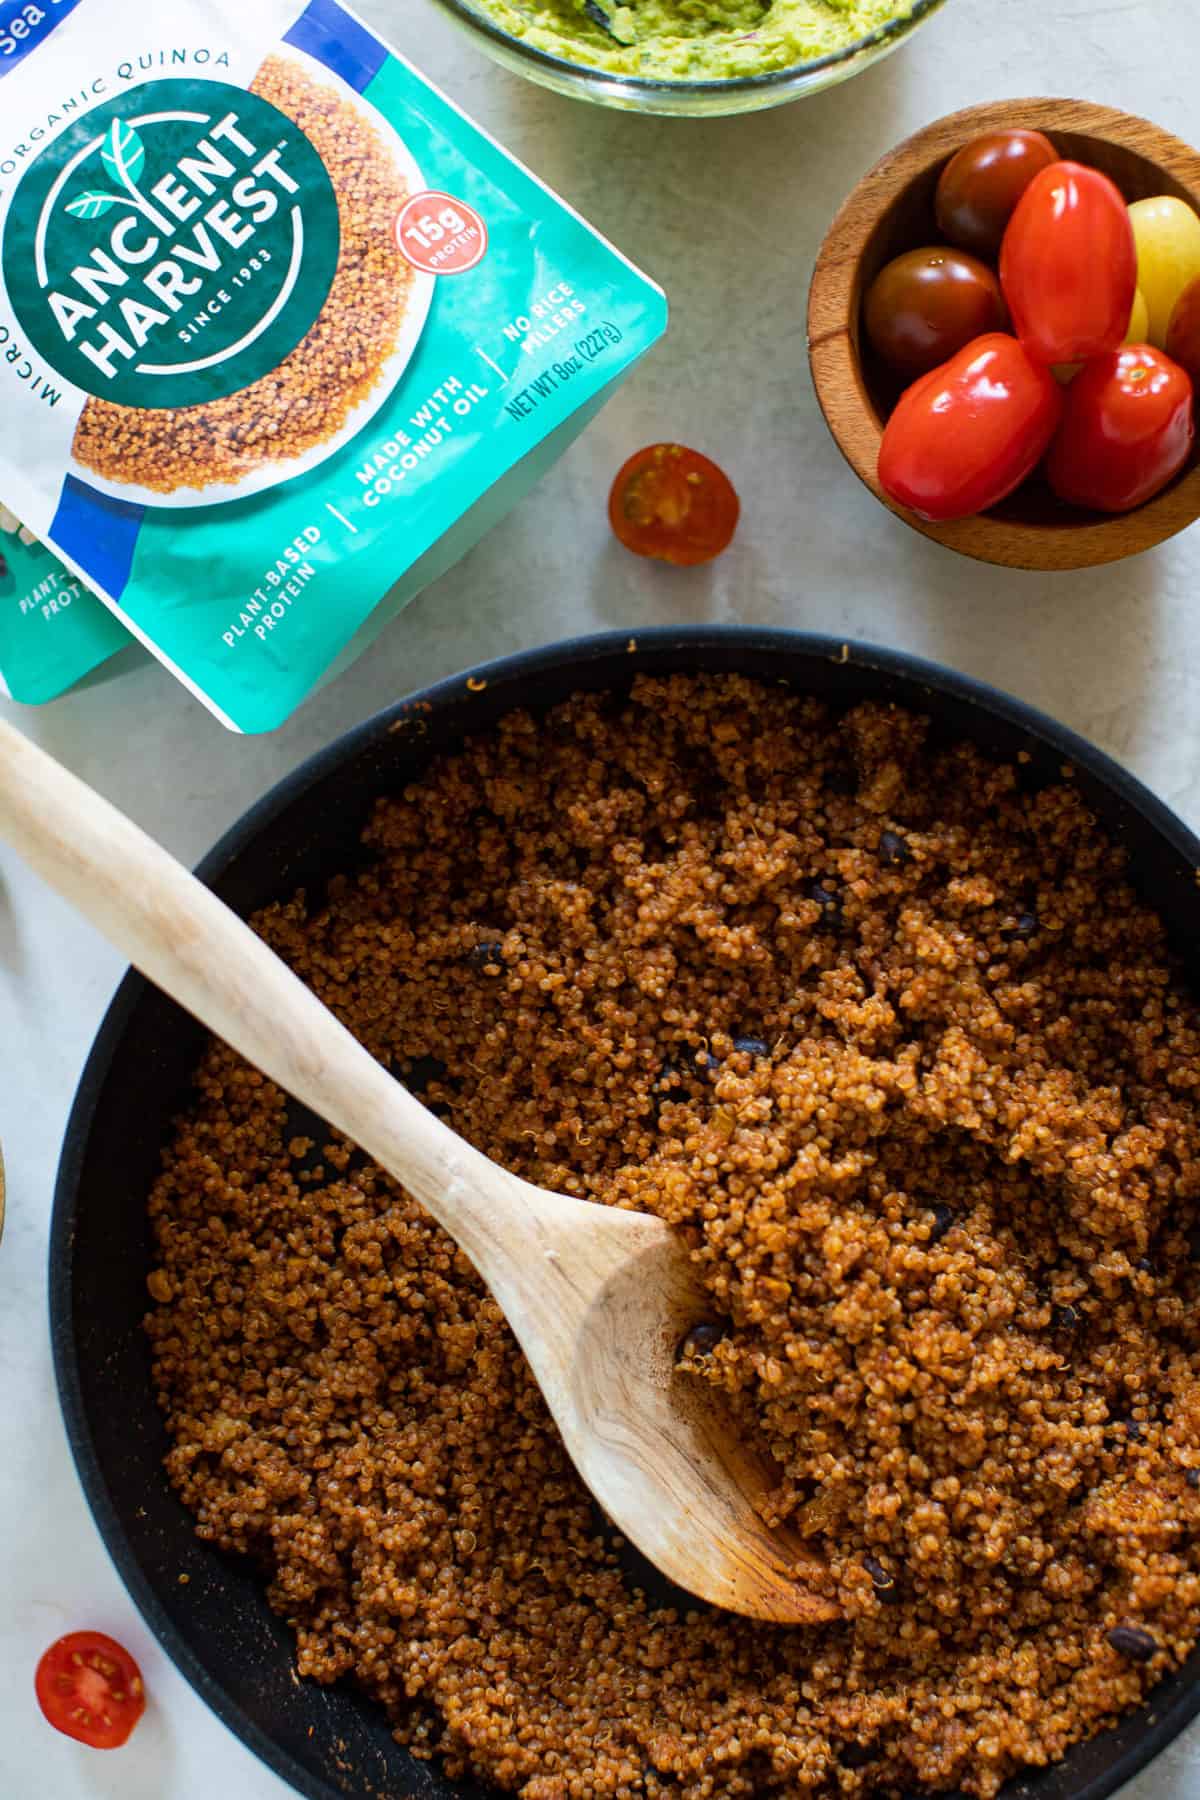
(728,215)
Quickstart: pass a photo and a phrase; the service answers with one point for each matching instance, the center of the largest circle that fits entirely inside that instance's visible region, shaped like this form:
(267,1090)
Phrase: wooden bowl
(891,210)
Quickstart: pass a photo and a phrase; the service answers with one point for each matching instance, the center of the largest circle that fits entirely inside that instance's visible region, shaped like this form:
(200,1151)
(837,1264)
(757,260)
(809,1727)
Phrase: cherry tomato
(966,435)
(90,1688)
(1126,431)
(673,504)
(980,186)
(925,305)
(1183,333)
(1068,265)
(1167,234)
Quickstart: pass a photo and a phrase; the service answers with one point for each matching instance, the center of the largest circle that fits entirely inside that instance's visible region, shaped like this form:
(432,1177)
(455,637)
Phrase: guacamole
(692,40)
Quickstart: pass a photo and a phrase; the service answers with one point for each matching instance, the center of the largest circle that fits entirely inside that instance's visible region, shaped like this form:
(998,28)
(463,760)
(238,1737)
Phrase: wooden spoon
(599,1299)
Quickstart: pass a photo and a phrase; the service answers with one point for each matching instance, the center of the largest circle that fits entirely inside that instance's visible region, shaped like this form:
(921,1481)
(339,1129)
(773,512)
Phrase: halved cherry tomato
(674,504)
(966,435)
(1126,431)
(1068,265)
(922,307)
(979,188)
(1183,333)
(90,1688)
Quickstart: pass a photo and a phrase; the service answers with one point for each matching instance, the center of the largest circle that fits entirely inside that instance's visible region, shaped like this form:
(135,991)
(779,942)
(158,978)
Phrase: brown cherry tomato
(1127,430)
(1183,333)
(925,305)
(980,186)
(674,504)
(90,1688)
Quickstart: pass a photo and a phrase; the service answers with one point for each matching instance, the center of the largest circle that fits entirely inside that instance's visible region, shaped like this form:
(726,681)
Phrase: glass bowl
(684,99)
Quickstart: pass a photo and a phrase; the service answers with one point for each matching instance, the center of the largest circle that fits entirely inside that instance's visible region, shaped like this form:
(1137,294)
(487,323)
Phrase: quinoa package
(52,631)
(281,332)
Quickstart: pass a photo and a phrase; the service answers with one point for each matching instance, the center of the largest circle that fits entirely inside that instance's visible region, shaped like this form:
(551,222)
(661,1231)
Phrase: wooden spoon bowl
(891,210)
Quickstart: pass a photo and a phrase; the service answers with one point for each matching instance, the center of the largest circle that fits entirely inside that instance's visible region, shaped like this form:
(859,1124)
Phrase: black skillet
(215,1625)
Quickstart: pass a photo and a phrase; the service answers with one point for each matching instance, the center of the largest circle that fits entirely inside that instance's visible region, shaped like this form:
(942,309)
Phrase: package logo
(173,246)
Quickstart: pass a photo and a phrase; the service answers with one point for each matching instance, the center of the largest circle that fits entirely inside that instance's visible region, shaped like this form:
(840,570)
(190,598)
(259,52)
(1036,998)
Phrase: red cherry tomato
(1183,333)
(674,504)
(924,306)
(90,1688)
(1127,430)
(1068,265)
(980,186)
(966,435)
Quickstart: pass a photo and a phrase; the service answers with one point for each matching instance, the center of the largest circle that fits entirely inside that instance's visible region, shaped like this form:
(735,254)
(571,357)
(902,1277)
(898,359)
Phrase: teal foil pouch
(52,631)
(282,332)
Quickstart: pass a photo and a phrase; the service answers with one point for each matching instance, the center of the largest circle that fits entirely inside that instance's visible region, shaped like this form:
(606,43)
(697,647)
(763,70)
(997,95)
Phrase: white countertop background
(728,215)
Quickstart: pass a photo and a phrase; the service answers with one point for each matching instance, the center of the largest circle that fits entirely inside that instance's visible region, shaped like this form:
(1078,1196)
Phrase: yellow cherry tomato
(1139,320)
(1167,234)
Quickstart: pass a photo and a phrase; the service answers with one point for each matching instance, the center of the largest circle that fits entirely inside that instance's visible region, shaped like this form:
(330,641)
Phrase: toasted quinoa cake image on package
(281,332)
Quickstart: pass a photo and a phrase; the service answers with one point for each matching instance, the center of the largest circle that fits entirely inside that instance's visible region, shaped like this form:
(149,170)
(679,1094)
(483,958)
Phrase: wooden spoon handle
(201,954)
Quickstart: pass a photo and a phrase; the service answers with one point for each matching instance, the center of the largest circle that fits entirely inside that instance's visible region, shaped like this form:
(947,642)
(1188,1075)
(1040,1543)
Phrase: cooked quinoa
(883,1029)
(308,398)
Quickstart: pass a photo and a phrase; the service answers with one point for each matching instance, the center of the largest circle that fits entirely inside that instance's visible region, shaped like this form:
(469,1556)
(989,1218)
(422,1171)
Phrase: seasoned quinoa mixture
(309,397)
(884,1031)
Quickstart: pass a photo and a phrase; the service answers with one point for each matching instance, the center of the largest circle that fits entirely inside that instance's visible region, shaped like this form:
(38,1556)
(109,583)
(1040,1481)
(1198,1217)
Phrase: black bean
(857,1756)
(1137,1645)
(708,1065)
(893,849)
(826,897)
(1065,1318)
(883,1583)
(752,1046)
(943,1218)
(1134,1432)
(1193,1478)
(1145,1266)
(421,1071)
(701,1340)
(842,781)
(487,956)
(1023,927)
(598,16)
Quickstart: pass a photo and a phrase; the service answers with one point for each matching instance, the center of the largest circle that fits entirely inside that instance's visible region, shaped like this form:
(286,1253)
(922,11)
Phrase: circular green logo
(173,245)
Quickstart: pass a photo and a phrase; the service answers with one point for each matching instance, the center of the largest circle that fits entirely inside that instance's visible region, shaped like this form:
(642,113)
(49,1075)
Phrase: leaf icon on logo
(124,153)
(91,205)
